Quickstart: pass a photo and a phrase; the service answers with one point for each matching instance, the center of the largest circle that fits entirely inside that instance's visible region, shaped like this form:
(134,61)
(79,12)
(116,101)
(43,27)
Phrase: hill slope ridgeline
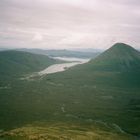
(120,57)
(16,62)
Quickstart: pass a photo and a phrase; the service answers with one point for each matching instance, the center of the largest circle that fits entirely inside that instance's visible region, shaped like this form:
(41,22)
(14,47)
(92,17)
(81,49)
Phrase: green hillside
(118,66)
(98,100)
(120,57)
(16,62)
(107,88)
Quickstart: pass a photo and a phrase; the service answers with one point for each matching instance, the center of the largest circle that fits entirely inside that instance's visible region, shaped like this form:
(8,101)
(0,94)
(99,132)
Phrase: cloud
(69,23)
(37,37)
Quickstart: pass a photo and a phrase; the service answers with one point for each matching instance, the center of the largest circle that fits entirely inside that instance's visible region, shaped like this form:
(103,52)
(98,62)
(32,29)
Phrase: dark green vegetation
(120,57)
(63,53)
(16,62)
(100,99)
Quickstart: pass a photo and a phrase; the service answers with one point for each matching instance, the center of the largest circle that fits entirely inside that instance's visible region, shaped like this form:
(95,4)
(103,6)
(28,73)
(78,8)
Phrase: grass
(85,100)
(101,104)
(62,131)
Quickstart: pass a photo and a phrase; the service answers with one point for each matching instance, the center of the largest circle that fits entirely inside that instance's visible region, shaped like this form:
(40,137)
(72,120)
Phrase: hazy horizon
(64,24)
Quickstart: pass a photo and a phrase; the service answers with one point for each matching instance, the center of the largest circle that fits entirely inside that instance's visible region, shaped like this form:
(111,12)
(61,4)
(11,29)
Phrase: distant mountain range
(63,53)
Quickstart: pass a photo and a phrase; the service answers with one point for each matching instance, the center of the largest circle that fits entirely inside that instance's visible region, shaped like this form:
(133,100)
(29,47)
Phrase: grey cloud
(64,23)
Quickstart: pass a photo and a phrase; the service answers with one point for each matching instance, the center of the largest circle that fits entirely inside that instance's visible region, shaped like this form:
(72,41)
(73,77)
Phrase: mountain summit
(122,49)
(120,57)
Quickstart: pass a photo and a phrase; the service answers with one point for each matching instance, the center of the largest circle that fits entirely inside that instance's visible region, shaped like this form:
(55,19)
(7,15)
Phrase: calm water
(62,67)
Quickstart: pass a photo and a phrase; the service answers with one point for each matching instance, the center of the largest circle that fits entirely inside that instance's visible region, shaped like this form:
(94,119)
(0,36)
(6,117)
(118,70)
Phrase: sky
(69,24)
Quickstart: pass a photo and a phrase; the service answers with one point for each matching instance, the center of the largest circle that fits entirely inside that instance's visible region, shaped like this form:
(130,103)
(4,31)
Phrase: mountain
(106,88)
(63,53)
(4,49)
(119,65)
(96,100)
(16,62)
(120,57)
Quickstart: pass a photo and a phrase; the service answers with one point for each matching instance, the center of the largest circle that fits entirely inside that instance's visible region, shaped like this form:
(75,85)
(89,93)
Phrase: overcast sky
(62,24)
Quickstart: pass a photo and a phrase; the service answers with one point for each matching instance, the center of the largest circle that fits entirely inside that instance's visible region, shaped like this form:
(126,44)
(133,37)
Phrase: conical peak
(121,47)
(119,57)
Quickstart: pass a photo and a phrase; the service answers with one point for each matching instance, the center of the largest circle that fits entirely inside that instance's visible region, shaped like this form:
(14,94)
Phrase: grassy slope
(120,57)
(88,96)
(62,131)
(14,63)
(108,91)
(109,94)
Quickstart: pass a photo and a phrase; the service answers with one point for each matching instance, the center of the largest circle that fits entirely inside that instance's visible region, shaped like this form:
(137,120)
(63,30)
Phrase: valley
(99,99)
(62,67)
